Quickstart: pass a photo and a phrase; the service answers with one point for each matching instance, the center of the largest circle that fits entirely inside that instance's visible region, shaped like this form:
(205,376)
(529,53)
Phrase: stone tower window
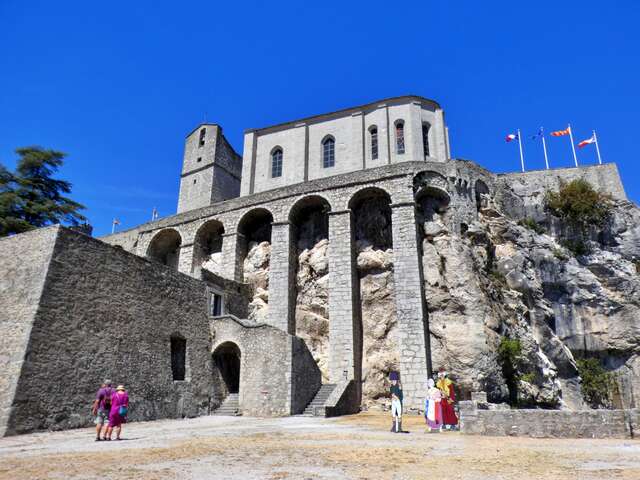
(328,152)
(178,358)
(216,304)
(276,163)
(425,138)
(373,131)
(203,133)
(400,137)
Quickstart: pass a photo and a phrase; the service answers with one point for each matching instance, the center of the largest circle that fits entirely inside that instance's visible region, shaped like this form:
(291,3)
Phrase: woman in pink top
(118,413)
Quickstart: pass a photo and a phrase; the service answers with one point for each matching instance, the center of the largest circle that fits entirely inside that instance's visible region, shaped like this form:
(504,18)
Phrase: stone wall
(24,260)
(103,313)
(530,187)
(277,373)
(478,418)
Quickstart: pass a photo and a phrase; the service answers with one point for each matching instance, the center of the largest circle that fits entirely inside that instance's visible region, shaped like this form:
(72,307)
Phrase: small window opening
(216,304)
(203,133)
(276,163)
(178,358)
(328,153)
(195,180)
(199,159)
(425,138)
(400,137)
(374,143)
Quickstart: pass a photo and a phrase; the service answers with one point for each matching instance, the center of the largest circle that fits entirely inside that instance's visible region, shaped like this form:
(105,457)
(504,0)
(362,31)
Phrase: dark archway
(374,288)
(309,219)
(165,248)
(226,360)
(432,203)
(207,244)
(481,190)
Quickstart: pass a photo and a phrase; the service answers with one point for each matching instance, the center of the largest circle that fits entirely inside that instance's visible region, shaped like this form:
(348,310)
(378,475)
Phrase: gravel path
(355,447)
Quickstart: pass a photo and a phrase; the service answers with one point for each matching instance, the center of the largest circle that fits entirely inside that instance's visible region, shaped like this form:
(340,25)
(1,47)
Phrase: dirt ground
(353,447)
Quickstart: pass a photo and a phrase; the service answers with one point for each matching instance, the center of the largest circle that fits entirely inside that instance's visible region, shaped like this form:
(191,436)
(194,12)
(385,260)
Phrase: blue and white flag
(538,135)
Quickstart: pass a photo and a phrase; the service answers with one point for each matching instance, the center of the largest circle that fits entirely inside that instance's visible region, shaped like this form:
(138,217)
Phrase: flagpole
(521,154)
(544,148)
(573,148)
(113,226)
(595,137)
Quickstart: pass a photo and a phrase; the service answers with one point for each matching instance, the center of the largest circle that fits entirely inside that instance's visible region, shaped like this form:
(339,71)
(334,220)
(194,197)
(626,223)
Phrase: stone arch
(309,221)
(432,203)
(227,359)
(371,208)
(165,247)
(309,216)
(480,189)
(429,178)
(207,246)
(375,321)
(254,256)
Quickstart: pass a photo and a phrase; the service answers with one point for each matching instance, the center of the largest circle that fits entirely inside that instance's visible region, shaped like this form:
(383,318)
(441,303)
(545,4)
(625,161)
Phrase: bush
(509,353)
(531,224)
(577,247)
(497,278)
(637,265)
(528,377)
(579,204)
(597,383)
(559,254)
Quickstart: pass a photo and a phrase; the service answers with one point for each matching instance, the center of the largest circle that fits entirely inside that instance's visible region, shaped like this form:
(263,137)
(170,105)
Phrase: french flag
(511,137)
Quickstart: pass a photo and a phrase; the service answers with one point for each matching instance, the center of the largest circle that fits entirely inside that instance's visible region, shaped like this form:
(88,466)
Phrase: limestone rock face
(501,279)
(256,274)
(312,304)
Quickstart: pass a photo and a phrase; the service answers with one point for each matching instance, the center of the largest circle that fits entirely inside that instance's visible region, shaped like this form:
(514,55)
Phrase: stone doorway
(226,360)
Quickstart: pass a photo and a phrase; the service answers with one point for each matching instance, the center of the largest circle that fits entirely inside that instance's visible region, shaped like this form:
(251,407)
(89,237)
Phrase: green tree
(31,198)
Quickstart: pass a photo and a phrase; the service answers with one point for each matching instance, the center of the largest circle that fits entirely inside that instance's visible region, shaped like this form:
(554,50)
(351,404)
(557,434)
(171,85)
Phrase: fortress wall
(278,375)
(105,313)
(458,178)
(531,186)
(23,267)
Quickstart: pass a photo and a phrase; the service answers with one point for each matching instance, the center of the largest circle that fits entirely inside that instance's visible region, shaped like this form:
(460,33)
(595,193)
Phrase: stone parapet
(481,418)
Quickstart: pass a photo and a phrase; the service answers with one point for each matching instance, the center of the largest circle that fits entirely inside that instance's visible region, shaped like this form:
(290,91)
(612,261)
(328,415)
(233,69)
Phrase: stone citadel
(295,277)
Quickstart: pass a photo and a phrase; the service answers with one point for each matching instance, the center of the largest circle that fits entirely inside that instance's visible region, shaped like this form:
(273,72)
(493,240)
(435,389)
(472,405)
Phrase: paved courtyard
(354,447)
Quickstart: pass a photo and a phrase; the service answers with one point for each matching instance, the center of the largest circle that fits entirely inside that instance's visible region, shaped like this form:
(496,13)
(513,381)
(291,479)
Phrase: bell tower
(211,169)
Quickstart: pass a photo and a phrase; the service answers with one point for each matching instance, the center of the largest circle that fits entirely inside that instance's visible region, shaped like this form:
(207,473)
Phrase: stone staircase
(315,407)
(229,406)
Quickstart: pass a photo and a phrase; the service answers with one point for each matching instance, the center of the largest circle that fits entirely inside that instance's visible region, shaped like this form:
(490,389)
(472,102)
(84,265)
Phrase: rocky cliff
(484,282)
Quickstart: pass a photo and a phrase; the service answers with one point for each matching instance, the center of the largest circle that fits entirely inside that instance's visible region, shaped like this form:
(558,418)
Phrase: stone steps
(315,407)
(229,406)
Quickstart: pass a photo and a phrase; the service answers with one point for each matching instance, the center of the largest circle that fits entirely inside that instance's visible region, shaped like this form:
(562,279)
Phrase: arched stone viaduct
(414,191)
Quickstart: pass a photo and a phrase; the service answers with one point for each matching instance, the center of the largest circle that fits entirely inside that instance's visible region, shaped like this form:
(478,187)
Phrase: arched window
(425,138)
(328,152)
(373,131)
(276,163)
(400,137)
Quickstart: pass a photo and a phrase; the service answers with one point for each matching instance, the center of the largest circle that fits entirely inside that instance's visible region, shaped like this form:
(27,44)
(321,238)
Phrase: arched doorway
(226,362)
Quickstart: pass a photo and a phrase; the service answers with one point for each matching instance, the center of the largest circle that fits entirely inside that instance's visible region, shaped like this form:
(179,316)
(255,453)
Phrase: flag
(584,143)
(511,137)
(560,133)
(154,213)
(540,134)
(116,221)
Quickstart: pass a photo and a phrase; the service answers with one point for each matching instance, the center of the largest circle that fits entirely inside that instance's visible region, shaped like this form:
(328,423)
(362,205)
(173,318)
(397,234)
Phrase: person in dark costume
(396,403)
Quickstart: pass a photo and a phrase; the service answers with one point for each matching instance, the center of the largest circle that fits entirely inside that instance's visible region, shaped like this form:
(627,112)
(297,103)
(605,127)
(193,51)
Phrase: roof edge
(347,110)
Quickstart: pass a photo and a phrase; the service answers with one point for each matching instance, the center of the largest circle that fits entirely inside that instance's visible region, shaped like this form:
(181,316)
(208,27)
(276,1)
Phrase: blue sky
(117,85)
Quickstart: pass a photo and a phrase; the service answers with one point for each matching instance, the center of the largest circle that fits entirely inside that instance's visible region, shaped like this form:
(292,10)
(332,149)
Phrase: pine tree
(31,198)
